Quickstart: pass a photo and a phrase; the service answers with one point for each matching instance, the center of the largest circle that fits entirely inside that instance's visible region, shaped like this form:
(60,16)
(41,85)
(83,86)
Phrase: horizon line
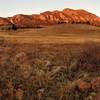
(39,12)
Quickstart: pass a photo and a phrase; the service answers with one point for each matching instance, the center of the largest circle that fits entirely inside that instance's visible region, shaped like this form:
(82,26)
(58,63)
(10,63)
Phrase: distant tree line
(8,27)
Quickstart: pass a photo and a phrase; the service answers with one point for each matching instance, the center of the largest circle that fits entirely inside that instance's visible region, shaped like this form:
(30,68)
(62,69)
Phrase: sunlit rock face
(4,21)
(52,17)
(5,24)
(22,21)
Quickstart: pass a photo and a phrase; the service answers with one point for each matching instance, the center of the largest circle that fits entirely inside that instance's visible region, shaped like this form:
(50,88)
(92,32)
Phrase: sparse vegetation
(49,71)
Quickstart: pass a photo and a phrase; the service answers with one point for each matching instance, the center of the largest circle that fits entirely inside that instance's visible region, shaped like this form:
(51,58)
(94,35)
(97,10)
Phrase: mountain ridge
(46,18)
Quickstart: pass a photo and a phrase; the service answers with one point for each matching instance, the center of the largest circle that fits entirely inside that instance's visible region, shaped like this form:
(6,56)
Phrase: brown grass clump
(90,58)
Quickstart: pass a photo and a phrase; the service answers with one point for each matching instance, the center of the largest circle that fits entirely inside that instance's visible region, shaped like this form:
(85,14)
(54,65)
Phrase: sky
(12,7)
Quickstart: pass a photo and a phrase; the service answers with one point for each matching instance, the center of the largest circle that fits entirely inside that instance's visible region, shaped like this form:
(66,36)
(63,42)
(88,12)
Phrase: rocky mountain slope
(4,21)
(50,18)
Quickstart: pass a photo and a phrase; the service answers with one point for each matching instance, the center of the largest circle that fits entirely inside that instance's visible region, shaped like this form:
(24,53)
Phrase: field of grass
(55,63)
(58,34)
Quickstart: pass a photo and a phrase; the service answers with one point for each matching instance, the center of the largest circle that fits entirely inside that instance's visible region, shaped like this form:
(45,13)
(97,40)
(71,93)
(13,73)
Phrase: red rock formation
(96,83)
(54,17)
(22,21)
(97,97)
(4,21)
(84,86)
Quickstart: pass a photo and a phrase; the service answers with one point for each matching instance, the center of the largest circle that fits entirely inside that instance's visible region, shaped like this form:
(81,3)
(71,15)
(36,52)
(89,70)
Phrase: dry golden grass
(60,34)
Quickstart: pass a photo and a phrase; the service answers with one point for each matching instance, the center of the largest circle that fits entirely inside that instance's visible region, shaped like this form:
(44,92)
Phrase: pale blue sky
(12,7)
